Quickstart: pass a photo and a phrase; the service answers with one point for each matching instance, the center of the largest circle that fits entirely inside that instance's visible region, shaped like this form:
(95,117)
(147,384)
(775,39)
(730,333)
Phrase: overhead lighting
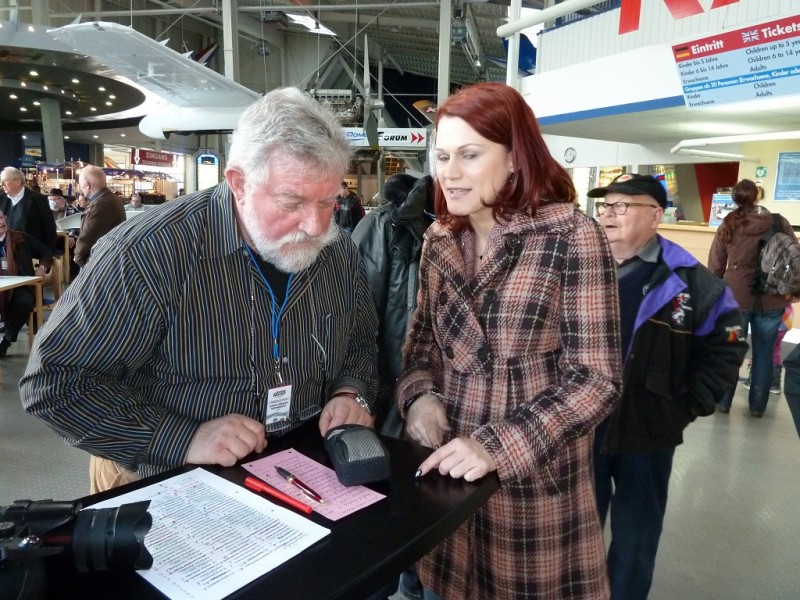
(24,137)
(31,29)
(112,97)
(34,73)
(108,103)
(95,136)
(45,88)
(75,80)
(121,135)
(66,137)
(37,103)
(93,109)
(12,96)
(102,89)
(23,109)
(23,84)
(67,112)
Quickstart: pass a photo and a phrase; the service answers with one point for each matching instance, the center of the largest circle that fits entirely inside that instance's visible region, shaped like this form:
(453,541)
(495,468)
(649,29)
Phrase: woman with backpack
(735,256)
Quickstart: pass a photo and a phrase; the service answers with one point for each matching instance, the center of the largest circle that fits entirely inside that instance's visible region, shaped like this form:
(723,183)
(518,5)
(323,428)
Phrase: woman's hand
(462,458)
(426,421)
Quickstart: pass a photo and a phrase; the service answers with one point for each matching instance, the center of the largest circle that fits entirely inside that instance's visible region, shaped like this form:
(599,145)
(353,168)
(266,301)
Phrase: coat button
(483,354)
(442,297)
(448,352)
(489,295)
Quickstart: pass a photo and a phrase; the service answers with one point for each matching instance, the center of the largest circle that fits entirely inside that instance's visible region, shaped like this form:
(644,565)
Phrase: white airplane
(195,98)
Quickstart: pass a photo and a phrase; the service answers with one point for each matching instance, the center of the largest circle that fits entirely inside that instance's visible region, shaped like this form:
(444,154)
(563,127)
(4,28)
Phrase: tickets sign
(744,64)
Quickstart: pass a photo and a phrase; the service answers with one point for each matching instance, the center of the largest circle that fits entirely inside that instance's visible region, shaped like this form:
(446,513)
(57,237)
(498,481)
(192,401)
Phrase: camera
(96,539)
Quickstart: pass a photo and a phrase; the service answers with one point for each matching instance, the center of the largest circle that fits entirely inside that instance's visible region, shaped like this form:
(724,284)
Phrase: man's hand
(426,421)
(40,270)
(71,241)
(461,458)
(225,440)
(343,410)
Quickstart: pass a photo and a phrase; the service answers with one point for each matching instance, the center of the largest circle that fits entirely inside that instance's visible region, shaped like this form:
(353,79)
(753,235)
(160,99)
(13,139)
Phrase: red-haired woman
(512,357)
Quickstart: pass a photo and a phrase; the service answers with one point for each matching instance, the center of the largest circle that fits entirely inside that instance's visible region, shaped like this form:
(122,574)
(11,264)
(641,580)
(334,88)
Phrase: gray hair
(14,174)
(286,123)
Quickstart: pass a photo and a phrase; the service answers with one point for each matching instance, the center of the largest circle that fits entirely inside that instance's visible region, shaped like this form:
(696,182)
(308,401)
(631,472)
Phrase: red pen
(255,484)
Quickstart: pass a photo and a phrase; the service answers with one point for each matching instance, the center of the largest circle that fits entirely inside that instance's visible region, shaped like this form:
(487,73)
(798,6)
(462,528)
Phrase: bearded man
(208,324)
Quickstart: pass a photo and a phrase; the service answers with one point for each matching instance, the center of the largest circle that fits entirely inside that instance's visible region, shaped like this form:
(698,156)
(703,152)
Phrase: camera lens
(112,538)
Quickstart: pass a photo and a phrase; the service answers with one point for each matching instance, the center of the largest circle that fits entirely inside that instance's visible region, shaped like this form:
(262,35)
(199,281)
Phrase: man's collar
(649,253)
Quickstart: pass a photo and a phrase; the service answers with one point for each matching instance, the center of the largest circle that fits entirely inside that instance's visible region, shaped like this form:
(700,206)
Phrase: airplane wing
(179,80)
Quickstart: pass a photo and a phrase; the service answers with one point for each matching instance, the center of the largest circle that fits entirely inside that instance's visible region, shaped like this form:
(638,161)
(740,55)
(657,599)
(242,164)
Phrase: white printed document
(211,537)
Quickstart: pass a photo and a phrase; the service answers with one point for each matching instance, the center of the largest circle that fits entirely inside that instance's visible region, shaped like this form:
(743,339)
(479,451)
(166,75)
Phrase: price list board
(744,64)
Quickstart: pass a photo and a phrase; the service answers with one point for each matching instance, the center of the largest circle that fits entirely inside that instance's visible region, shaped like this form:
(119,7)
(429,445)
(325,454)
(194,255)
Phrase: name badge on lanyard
(279,404)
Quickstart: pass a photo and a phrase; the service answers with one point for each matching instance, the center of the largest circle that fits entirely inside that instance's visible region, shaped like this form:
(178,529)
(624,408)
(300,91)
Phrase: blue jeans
(638,502)
(764,330)
(791,384)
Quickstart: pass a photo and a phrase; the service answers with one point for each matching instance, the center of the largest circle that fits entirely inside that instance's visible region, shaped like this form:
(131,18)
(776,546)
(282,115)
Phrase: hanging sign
(153,158)
(744,64)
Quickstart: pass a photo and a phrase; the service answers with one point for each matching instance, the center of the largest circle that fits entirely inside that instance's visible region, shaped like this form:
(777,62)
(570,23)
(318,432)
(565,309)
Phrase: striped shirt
(169,327)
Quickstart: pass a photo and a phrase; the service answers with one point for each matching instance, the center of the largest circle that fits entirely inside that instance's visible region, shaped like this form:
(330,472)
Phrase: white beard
(287,260)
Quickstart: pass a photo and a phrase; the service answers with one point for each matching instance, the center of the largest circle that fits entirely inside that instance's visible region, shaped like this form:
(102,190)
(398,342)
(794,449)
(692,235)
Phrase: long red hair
(500,114)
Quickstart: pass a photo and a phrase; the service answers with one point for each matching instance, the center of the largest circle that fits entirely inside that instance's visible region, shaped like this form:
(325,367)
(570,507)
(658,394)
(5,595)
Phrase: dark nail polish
(418,474)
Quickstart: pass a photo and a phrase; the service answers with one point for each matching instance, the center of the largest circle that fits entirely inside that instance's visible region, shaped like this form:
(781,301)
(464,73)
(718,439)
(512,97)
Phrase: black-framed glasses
(618,208)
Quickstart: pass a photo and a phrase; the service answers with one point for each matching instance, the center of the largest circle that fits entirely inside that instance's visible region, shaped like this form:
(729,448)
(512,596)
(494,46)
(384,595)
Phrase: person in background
(105,211)
(349,210)
(17,251)
(389,239)
(681,350)
(791,385)
(512,356)
(60,208)
(135,203)
(734,256)
(27,210)
(250,311)
(81,202)
(58,204)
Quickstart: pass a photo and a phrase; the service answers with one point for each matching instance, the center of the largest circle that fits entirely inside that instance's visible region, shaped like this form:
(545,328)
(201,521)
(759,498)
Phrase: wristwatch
(360,400)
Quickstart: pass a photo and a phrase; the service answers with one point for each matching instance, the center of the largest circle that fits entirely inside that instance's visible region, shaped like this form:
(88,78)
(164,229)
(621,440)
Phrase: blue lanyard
(275,317)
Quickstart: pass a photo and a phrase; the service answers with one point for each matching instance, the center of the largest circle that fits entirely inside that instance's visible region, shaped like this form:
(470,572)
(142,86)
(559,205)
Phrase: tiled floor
(733,522)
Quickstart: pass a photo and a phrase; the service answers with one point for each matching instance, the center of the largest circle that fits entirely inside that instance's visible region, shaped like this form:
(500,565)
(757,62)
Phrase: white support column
(512,66)
(230,38)
(445,26)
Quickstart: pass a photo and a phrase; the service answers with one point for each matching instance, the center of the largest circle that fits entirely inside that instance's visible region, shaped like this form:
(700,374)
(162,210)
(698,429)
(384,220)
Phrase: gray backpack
(778,264)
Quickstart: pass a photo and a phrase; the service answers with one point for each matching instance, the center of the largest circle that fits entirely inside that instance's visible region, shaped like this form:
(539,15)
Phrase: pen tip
(418,474)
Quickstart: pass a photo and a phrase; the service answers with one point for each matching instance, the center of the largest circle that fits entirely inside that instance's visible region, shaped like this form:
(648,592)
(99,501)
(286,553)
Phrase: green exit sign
(761,171)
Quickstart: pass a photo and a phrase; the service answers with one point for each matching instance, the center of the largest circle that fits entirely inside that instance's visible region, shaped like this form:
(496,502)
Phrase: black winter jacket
(684,355)
(389,239)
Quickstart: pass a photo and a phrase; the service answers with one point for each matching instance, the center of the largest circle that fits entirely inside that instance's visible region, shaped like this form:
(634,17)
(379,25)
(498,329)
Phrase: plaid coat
(527,356)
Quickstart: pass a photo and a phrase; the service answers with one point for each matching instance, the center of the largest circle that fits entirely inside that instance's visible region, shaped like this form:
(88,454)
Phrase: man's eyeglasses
(618,208)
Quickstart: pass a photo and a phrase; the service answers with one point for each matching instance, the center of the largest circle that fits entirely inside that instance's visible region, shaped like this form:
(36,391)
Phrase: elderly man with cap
(681,351)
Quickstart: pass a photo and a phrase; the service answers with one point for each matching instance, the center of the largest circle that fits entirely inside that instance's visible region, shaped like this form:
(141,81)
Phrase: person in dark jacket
(390,242)
(348,210)
(682,351)
(733,256)
(104,213)
(27,210)
(17,251)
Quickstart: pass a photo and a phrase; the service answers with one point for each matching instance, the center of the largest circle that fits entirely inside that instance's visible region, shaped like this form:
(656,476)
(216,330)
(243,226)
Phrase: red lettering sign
(631,10)
(153,158)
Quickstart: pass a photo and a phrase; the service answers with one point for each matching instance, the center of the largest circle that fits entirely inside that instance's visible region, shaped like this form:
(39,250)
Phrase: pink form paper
(340,501)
